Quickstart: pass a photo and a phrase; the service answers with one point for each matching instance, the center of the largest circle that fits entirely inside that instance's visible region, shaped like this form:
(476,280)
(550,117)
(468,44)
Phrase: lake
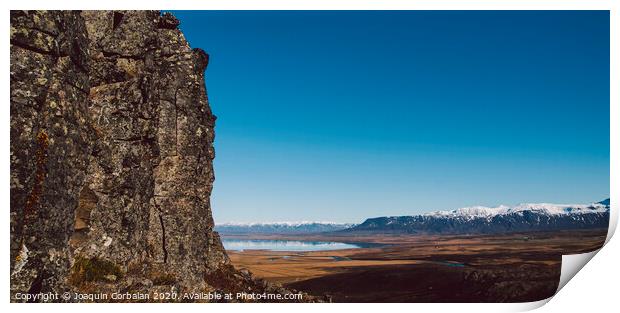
(285,245)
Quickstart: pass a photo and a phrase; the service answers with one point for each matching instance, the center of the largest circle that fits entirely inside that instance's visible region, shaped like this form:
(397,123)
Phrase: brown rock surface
(50,143)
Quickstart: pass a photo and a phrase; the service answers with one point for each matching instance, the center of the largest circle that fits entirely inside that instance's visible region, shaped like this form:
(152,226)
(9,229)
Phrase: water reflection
(285,245)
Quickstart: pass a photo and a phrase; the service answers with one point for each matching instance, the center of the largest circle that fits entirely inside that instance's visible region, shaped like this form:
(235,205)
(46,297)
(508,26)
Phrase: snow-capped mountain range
(543,208)
(501,219)
(469,220)
(280,227)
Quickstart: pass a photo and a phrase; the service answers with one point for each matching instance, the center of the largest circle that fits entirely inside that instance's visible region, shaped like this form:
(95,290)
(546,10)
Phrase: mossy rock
(94,270)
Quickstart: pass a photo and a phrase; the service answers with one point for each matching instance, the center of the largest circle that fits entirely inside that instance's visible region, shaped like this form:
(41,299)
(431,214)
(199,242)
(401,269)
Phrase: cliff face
(111,156)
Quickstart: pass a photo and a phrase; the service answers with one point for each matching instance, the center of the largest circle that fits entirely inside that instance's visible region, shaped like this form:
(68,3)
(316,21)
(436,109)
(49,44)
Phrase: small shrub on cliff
(92,270)
(164,279)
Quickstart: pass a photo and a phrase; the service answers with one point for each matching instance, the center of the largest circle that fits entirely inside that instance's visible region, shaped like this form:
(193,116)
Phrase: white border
(603,285)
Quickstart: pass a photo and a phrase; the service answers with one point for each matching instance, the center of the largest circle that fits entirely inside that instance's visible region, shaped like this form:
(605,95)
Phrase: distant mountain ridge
(501,219)
(280,227)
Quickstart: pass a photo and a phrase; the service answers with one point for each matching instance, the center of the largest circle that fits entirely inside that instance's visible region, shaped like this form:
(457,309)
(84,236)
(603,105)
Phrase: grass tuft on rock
(164,279)
(93,270)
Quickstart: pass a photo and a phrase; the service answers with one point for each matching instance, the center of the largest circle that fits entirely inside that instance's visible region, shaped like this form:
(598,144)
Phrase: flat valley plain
(516,267)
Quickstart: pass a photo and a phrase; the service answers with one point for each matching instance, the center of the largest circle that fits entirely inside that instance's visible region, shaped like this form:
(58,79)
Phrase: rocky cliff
(111,157)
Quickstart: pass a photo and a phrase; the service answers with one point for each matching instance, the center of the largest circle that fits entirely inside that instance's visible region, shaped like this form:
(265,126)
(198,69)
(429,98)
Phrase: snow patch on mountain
(543,208)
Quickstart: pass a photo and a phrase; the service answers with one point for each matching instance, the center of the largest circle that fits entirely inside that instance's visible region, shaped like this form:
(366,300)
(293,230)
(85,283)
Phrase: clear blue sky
(340,116)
